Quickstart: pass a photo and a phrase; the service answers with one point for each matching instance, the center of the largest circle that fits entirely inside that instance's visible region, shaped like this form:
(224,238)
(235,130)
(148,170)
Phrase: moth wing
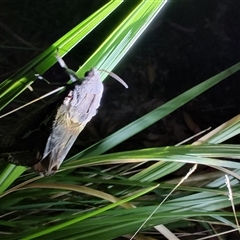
(62,137)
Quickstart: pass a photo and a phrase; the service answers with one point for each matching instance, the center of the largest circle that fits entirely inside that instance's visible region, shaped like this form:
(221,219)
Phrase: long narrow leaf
(80,218)
(17,83)
(154,116)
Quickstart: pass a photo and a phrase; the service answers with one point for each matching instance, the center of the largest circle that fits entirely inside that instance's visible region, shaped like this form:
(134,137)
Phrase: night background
(188,42)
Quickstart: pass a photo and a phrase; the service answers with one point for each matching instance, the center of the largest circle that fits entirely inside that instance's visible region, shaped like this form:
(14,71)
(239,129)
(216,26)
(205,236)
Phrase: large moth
(51,145)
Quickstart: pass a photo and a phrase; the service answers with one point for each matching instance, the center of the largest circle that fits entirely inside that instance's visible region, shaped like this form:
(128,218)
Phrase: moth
(57,133)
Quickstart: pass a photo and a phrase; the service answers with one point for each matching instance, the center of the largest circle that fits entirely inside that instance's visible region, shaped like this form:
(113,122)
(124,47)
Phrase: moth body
(76,110)
(48,143)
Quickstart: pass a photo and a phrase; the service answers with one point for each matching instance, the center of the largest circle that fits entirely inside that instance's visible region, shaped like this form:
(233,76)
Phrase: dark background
(189,42)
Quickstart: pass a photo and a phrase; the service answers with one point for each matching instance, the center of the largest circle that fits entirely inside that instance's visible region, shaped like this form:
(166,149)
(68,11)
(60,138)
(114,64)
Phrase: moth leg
(70,72)
(45,80)
(30,87)
(41,78)
(72,75)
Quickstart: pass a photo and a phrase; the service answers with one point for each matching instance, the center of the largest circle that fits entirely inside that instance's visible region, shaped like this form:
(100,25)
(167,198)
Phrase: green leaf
(17,83)
(154,116)
(91,214)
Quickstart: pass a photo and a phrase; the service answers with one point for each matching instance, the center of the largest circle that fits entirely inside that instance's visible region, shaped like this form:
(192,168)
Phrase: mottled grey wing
(63,135)
(77,109)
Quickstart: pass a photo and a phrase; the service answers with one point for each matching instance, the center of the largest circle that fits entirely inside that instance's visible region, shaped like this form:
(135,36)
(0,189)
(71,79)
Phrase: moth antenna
(115,76)
(33,101)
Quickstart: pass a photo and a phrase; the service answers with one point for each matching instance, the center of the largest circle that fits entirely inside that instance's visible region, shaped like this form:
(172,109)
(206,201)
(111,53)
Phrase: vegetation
(101,193)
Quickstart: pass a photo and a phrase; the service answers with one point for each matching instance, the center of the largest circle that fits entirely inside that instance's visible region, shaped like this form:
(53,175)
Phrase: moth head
(46,167)
(43,171)
(92,73)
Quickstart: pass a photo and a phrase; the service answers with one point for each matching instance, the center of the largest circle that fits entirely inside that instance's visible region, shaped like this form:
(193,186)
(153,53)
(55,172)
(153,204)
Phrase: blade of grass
(107,55)
(88,215)
(154,116)
(8,175)
(17,83)
(202,154)
(123,37)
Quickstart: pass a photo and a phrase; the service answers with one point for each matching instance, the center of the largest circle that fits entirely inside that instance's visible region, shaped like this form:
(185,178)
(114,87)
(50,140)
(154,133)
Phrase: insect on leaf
(62,126)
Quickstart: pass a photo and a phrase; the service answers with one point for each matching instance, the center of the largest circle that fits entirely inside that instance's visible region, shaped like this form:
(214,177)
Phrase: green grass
(111,195)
